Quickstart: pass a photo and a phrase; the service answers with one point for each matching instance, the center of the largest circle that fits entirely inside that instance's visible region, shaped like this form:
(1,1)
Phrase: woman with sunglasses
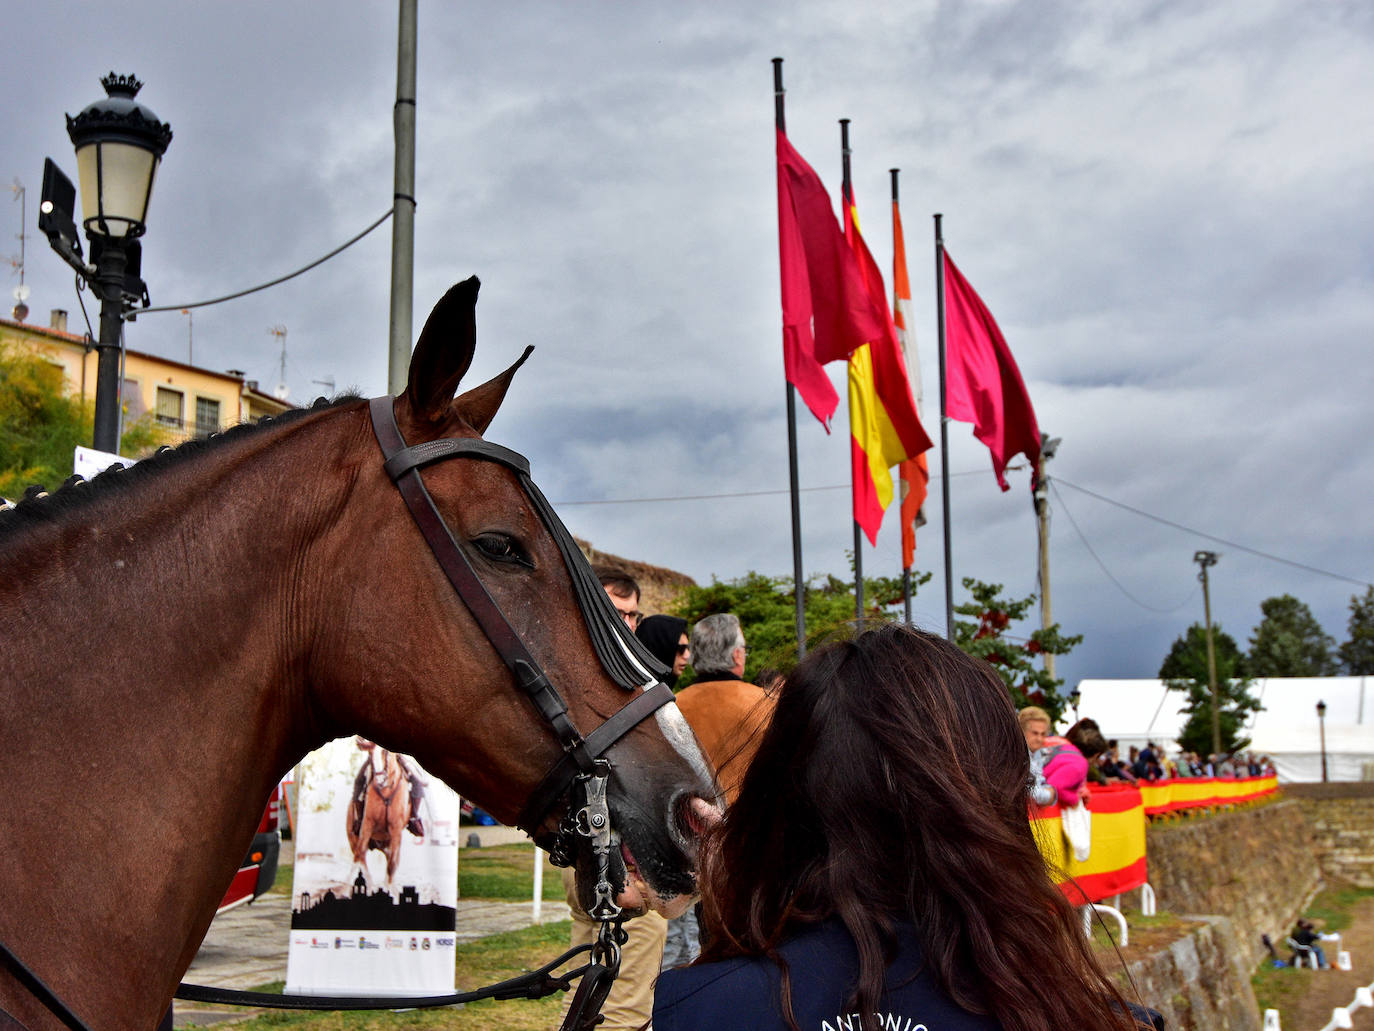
(666,639)
(878,869)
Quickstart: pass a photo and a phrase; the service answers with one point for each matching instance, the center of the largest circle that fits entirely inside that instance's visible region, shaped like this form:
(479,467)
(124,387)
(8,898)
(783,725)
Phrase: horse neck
(163,618)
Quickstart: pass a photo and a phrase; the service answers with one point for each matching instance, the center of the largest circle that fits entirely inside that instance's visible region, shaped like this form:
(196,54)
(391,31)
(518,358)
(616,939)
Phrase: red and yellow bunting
(1116,862)
(1171,796)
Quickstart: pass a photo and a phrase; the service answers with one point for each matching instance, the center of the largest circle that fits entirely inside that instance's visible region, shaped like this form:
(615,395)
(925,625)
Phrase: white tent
(1286,729)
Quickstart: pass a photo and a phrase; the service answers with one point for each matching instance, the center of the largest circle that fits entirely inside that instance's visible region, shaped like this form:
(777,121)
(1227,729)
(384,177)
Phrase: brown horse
(174,637)
(377,822)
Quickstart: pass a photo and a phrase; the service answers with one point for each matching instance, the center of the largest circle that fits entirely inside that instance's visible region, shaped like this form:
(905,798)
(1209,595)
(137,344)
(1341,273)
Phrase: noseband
(583,765)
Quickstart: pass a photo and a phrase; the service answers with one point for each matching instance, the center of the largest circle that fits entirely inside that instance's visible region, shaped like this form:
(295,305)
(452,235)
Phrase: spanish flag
(885,429)
(915,475)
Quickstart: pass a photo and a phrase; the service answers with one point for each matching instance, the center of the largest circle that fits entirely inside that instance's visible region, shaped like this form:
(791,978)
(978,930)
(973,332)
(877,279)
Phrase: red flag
(884,427)
(826,309)
(982,383)
(915,475)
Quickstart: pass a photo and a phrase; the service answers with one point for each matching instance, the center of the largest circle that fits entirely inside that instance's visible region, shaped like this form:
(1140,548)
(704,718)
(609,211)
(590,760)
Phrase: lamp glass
(116,183)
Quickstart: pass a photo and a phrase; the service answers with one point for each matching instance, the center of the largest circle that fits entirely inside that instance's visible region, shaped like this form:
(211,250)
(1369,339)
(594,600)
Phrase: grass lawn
(504,872)
(500,872)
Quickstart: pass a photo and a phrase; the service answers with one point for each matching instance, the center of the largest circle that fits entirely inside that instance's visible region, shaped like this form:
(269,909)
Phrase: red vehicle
(259,868)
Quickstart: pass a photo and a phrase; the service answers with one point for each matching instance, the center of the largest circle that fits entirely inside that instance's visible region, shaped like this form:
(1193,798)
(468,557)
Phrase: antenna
(328,381)
(21,292)
(281,392)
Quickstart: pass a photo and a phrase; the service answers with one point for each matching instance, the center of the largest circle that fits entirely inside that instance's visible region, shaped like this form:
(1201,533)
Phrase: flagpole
(944,425)
(906,569)
(798,581)
(846,197)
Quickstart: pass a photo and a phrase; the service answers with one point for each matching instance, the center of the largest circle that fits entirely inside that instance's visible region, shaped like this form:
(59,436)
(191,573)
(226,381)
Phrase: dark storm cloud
(1167,208)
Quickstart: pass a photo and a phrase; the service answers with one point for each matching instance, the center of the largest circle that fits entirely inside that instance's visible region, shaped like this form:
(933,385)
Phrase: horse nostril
(696,816)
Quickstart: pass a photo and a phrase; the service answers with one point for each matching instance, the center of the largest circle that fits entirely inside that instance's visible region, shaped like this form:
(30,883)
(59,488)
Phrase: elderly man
(728,716)
(726,713)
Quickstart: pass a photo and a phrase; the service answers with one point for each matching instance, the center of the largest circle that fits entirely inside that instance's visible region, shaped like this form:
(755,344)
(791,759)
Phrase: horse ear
(478,406)
(443,352)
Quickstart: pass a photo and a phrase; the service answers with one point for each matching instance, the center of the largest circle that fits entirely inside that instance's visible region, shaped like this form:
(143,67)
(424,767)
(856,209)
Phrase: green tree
(1185,669)
(986,635)
(766,609)
(1289,642)
(40,425)
(1357,653)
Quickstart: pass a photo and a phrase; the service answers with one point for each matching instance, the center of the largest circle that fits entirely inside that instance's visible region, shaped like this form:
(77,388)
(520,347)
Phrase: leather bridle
(583,766)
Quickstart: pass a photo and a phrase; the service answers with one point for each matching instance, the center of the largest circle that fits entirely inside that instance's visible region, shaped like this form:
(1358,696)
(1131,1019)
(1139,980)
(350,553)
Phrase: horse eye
(500,548)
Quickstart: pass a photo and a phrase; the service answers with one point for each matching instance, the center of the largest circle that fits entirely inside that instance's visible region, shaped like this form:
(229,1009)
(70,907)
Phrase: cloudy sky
(1168,206)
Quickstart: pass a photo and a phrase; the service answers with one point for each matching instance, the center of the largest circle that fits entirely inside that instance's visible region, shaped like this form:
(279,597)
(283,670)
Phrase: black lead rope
(39,990)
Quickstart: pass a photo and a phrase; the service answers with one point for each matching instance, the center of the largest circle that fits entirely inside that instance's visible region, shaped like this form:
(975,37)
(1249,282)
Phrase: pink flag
(982,383)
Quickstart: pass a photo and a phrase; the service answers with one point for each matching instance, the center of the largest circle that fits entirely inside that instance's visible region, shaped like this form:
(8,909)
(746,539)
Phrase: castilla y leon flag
(982,383)
(884,426)
(826,309)
(915,475)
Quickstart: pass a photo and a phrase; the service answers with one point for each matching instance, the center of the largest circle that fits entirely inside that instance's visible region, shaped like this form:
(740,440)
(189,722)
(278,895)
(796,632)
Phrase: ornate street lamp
(1321,724)
(119,143)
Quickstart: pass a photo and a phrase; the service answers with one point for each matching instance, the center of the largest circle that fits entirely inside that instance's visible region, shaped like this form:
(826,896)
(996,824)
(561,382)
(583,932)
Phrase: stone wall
(1342,820)
(1244,873)
(1255,866)
(1199,982)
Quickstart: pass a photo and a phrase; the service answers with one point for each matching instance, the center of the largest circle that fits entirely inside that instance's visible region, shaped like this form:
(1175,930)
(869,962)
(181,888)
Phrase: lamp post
(1321,724)
(119,143)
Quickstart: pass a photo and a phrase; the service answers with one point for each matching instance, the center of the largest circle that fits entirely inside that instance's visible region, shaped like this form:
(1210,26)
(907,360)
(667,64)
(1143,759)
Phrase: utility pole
(403,212)
(1040,498)
(1205,559)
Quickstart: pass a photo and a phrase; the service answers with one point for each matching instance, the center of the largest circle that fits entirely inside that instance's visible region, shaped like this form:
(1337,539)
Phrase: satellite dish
(281,392)
(21,292)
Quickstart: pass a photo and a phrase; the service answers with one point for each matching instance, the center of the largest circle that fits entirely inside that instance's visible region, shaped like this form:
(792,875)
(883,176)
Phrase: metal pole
(1205,559)
(846,194)
(109,278)
(403,217)
(944,425)
(1040,496)
(901,518)
(1321,724)
(798,580)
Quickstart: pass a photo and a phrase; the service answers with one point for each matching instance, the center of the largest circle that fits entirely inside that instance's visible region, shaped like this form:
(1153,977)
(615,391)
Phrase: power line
(263,286)
(736,494)
(1213,537)
(1103,566)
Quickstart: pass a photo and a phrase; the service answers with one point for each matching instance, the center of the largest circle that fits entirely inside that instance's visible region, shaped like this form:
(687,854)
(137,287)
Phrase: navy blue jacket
(823,964)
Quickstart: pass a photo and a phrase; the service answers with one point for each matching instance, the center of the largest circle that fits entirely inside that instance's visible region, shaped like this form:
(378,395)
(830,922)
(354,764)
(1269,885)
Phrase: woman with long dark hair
(878,869)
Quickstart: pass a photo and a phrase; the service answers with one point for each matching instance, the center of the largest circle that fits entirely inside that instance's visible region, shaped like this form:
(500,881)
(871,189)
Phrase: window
(133,401)
(169,407)
(207,416)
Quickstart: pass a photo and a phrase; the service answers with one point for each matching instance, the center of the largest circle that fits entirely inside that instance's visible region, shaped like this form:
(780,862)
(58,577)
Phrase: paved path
(246,947)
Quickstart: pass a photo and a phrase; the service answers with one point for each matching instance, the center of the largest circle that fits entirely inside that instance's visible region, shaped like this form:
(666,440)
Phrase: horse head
(448,675)
(1086,736)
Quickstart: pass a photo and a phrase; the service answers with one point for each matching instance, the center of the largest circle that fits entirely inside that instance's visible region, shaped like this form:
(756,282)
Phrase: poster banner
(375,891)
